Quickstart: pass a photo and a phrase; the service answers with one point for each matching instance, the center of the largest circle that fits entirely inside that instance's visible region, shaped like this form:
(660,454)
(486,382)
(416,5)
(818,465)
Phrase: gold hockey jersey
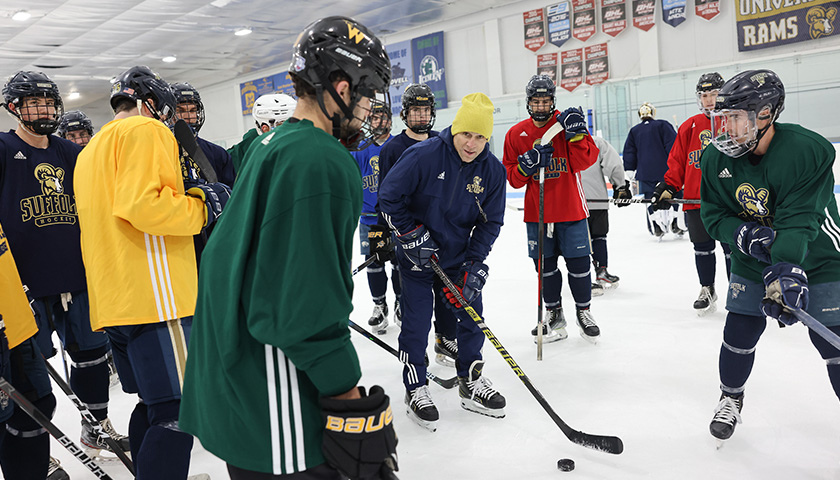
(14,306)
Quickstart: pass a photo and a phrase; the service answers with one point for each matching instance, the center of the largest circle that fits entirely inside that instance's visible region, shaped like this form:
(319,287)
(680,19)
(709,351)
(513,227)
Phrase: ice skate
(727,416)
(607,280)
(588,329)
(705,302)
(597,289)
(397,313)
(478,395)
(446,351)
(95,446)
(421,409)
(676,230)
(379,318)
(55,472)
(113,377)
(554,328)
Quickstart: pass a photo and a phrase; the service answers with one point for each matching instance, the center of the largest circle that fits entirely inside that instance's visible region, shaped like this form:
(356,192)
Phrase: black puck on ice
(566,464)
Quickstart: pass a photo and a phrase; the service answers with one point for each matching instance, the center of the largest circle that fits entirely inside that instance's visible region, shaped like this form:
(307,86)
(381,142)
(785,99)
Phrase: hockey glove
(661,194)
(418,246)
(786,289)
(754,240)
(359,437)
(214,196)
(573,123)
(381,243)
(469,283)
(622,193)
(533,159)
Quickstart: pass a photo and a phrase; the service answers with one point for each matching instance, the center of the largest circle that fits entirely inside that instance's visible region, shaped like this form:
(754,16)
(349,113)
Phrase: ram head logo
(51,178)
(754,202)
(821,21)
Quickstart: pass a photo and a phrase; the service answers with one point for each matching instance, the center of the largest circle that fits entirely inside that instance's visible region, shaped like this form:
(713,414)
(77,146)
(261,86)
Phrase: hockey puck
(566,464)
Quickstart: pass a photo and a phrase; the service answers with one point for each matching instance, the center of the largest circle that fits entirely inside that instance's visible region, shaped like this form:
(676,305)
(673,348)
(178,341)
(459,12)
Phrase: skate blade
(607,285)
(475,407)
(702,312)
(444,360)
(200,476)
(428,425)
(592,340)
(597,292)
(719,443)
(553,336)
(102,456)
(379,329)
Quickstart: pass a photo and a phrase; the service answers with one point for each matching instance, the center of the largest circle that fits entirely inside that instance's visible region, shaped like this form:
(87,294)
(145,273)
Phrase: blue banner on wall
(250,91)
(673,12)
(402,72)
(283,84)
(559,25)
(428,61)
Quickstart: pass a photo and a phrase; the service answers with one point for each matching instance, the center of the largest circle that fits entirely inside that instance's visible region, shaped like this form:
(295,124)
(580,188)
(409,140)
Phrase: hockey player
(445,199)
(275,289)
(646,160)
(269,111)
(684,174)
(768,189)
(380,242)
(137,225)
(418,113)
(76,127)
(607,165)
(566,233)
(38,210)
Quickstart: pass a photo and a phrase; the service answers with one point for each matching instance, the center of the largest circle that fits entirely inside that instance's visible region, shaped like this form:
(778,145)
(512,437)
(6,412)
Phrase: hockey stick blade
(185,137)
(551,133)
(817,327)
(603,443)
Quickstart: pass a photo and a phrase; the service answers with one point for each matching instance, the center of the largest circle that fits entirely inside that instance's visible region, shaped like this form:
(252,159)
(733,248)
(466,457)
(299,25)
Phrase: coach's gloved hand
(786,289)
(214,196)
(359,437)
(381,244)
(535,158)
(622,193)
(573,123)
(661,194)
(754,240)
(418,246)
(469,282)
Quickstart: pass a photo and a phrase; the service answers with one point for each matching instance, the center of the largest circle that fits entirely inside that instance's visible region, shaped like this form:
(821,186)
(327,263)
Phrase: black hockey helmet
(709,81)
(341,45)
(72,121)
(141,84)
(186,93)
(418,95)
(26,84)
(379,109)
(540,86)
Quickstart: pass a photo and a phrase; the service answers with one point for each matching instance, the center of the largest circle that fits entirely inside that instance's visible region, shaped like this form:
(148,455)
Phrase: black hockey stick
(90,419)
(50,427)
(596,442)
(364,264)
(186,139)
(627,201)
(817,327)
(547,137)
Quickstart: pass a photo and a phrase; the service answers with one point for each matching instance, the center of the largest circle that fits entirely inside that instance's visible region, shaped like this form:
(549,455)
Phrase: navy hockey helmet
(540,86)
(72,121)
(383,126)
(418,95)
(140,84)
(706,91)
(186,94)
(25,84)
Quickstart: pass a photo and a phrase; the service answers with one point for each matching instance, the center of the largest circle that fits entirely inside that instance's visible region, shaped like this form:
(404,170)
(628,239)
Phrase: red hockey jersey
(684,160)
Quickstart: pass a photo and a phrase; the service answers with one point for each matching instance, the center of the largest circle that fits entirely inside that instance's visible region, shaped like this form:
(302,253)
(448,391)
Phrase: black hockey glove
(469,283)
(661,194)
(359,437)
(418,246)
(754,240)
(573,123)
(381,244)
(533,159)
(622,193)
(214,196)
(786,289)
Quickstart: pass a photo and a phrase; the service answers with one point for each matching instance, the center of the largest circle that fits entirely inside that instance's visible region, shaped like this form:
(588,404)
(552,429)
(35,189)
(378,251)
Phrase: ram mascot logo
(705,139)
(51,178)
(754,203)
(821,21)
(475,187)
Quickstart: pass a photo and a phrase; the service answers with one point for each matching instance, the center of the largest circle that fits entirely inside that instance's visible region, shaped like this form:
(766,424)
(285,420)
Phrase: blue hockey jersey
(220,160)
(368,160)
(647,147)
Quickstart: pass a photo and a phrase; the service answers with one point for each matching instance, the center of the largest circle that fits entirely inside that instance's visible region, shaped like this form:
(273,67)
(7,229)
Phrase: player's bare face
(418,116)
(36,108)
(707,99)
(469,145)
(187,112)
(79,137)
(541,104)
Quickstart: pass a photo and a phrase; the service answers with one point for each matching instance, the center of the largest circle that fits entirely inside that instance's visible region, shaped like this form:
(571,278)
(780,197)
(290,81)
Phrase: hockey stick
(364,265)
(50,427)
(186,139)
(443,382)
(817,327)
(596,442)
(627,201)
(90,419)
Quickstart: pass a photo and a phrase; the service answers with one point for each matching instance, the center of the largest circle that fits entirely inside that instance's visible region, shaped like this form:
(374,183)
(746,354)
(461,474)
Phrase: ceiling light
(21,16)
(73,95)
(169,58)
(242,32)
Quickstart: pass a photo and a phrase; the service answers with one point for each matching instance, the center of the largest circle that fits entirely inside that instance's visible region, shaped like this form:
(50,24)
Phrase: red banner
(534,29)
(707,9)
(571,68)
(643,11)
(597,64)
(584,19)
(613,16)
(547,65)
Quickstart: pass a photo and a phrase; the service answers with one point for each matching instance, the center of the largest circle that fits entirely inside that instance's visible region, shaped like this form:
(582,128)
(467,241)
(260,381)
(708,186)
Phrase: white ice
(652,380)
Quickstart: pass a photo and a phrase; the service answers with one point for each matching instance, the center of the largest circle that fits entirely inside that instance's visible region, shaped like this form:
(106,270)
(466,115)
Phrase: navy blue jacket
(431,186)
(390,153)
(220,159)
(647,147)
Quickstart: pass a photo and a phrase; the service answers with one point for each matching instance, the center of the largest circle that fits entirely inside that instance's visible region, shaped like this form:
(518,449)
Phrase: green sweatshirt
(238,151)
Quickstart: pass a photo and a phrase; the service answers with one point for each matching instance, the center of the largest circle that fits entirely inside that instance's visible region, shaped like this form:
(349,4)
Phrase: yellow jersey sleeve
(14,306)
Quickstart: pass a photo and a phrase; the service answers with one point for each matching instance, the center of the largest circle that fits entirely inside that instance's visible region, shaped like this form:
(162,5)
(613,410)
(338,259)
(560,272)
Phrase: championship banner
(283,84)
(547,65)
(249,92)
(613,16)
(673,12)
(770,24)
(707,9)
(559,25)
(597,64)
(584,18)
(534,29)
(402,73)
(643,11)
(427,58)
(571,69)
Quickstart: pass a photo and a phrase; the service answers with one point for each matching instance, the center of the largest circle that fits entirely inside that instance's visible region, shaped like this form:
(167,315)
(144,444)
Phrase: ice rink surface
(651,380)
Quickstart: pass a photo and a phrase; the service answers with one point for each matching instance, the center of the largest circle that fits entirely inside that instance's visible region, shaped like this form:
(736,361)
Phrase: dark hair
(124,104)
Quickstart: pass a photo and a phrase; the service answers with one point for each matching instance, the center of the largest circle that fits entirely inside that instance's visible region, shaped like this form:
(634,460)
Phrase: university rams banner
(780,22)
(534,29)
(427,58)
(559,25)
(249,92)
(402,72)
(547,65)
(707,9)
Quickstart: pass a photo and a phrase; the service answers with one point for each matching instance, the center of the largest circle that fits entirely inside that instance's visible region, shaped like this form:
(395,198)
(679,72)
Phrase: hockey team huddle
(143,248)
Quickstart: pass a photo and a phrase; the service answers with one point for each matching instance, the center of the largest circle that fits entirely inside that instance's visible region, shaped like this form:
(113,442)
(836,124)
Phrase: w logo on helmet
(355,34)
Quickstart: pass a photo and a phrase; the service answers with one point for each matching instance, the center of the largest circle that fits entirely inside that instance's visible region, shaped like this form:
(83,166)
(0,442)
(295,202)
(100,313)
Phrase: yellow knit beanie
(475,115)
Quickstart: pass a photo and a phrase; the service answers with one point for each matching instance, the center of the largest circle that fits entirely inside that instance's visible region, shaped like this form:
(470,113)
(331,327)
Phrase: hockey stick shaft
(597,442)
(89,418)
(23,403)
(541,259)
(186,139)
(817,327)
(621,201)
(364,264)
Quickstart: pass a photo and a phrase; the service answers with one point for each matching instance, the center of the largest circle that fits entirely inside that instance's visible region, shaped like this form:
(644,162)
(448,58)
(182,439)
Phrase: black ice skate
(55,472)
(727,415)
(554,328)
(477,394)
(94,443)
(446,351)
(397,313)
(705,303)
(597,289)
(604,277)
(676,230)
(588,328)
(421,409)
(379,318)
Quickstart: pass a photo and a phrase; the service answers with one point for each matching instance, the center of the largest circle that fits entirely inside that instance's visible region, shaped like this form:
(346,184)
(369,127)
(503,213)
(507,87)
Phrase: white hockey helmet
(273,109)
